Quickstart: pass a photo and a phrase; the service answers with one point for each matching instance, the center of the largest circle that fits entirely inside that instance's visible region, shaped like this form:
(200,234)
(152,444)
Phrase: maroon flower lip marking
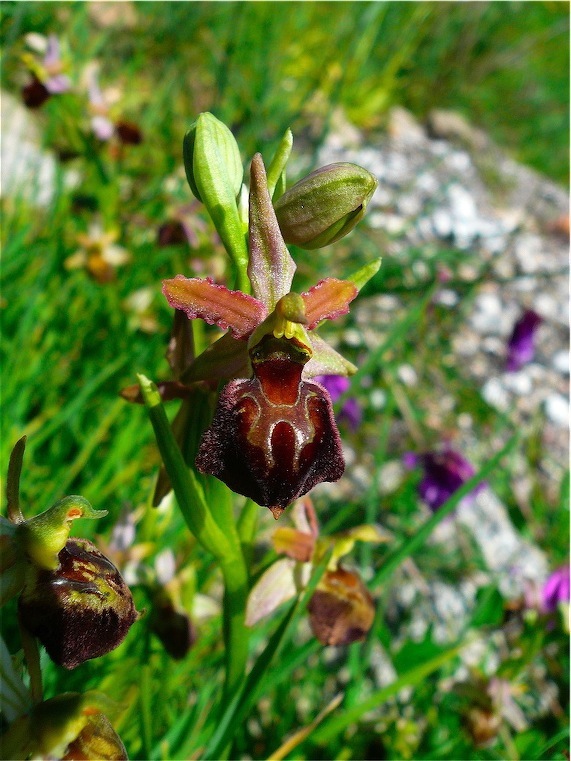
(273,437)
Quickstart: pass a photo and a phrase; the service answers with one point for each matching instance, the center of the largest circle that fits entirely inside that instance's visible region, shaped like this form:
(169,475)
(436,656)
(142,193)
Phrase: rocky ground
(445,186)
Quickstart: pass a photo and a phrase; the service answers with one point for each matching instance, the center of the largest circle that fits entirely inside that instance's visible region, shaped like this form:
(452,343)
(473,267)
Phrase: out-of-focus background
(462,112)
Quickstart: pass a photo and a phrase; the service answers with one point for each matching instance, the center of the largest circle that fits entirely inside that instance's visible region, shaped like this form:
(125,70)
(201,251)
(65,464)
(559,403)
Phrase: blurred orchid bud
(211,154)
(324,206)
(68,726)
(97,739)
(341,609)
(81,610)
(173,626)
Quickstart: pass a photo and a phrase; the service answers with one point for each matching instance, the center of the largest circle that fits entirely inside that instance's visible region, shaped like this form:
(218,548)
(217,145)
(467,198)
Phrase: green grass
(69,345)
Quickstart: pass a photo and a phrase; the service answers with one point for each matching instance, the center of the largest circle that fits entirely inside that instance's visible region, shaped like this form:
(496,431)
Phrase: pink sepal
(327,300)
(215,304)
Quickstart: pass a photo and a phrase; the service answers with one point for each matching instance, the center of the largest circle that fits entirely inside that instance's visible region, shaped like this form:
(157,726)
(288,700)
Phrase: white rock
(378,399)
(446,297)
(557,409)
(520,383)
(560,362)
(462,203)
(390,477)
(407,375)
(495,393)
(487,315)
(442,223)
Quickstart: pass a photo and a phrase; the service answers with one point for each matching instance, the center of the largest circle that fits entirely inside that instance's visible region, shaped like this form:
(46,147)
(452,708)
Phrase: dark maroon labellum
(80,611)
(35,94)
(129,133)
(273,437)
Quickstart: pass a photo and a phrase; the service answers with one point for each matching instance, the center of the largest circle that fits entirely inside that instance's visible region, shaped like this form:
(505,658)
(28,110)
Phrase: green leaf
(336,724)
(489,609)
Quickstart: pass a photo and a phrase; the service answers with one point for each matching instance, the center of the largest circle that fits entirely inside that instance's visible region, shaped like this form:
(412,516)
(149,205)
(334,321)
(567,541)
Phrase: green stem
(222,540)
(187,489)
(236,633)
(32,656)
(247,524)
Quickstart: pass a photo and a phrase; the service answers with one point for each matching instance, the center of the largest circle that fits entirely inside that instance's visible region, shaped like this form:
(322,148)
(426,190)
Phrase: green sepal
(43,537)
(363,275)
(52,725)
(276,170)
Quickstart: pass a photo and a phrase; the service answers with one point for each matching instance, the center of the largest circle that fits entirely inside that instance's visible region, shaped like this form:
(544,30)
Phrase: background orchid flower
(341,609)
(48,77)
(555,590)
(273,436)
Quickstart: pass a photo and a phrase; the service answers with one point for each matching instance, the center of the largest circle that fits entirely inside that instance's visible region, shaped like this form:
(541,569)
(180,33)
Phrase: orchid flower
(273,436)
(48,77)
(341,609)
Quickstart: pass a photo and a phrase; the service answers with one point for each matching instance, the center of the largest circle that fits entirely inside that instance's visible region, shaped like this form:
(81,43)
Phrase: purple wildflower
(444,473)
(337,385)
(555,589)
(521,348)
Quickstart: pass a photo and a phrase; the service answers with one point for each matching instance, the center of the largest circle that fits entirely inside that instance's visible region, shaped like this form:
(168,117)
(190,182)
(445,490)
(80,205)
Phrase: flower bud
(79,611)
(341,609)
(216,155)
(324,206)
(172,626)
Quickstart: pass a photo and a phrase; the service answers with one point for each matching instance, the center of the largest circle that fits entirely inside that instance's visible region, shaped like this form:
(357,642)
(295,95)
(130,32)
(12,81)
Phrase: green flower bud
(324,206)
(221,157)
(79,611)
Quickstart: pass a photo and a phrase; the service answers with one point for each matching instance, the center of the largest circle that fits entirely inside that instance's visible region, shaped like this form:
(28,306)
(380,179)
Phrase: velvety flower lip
(444,473)
(337,385)
(521,344)
(556,589)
